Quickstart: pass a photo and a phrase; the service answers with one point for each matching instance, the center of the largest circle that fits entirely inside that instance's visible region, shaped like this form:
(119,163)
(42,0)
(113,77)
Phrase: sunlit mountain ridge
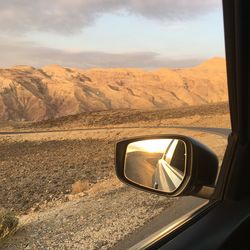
(31,94)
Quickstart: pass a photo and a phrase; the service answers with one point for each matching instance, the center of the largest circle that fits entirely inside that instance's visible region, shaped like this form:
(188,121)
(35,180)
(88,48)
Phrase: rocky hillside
(31,94)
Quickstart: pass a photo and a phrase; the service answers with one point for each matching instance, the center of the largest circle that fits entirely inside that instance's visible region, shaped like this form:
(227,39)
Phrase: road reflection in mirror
(157,164)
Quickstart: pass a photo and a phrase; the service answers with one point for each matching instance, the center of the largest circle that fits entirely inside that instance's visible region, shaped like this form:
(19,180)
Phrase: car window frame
(228,185)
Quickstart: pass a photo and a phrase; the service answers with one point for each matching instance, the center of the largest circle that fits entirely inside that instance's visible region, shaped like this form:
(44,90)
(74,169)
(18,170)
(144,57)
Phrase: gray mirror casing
(201,169)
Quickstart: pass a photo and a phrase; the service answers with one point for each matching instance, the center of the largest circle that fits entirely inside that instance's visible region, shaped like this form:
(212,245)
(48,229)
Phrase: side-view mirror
(170,165)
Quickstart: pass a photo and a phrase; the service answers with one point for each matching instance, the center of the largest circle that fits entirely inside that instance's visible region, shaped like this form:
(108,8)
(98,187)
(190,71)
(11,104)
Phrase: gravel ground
(37,172)
(120,117)
(96,221)
(34,172)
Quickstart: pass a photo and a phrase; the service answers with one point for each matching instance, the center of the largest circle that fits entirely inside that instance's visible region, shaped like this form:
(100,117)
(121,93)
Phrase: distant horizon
(92,68)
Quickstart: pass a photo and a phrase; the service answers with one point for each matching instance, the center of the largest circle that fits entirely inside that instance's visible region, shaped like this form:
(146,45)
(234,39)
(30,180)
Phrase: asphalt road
(140,167)
(219,131)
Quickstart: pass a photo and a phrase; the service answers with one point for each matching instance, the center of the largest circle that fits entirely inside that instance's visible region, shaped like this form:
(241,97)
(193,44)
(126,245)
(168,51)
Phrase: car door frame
(233,182)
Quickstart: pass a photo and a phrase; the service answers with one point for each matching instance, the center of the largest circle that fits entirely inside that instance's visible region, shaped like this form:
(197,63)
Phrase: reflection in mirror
(157,164)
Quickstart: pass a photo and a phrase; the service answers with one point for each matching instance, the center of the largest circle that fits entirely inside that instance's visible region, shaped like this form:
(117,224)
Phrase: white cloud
(70,16)
(18,17)
(27,53)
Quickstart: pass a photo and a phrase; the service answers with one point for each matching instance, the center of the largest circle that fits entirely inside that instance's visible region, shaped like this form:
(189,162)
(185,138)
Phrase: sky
(150,146)
(110,33)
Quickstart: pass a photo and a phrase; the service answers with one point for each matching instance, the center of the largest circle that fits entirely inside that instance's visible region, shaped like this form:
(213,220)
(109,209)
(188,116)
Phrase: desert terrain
(58,130)
(58,175)
(31,94)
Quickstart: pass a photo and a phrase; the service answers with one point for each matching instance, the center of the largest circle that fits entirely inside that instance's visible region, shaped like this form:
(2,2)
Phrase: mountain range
(32,94)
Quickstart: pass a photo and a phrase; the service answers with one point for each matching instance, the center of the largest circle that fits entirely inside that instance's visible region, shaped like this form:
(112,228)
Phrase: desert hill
(30,94)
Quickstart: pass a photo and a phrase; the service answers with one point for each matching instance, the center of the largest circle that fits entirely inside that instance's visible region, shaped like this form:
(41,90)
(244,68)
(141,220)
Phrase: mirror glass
(158,164)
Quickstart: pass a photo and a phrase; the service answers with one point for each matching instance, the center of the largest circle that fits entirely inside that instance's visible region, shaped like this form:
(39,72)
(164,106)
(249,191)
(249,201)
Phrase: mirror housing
(201,166)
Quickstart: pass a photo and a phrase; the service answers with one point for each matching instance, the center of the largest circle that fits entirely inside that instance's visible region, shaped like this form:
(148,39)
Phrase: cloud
(71,16)
(27,53)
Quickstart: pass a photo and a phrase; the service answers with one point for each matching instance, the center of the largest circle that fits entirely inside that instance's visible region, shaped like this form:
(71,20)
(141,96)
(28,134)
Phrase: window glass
(78,76)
